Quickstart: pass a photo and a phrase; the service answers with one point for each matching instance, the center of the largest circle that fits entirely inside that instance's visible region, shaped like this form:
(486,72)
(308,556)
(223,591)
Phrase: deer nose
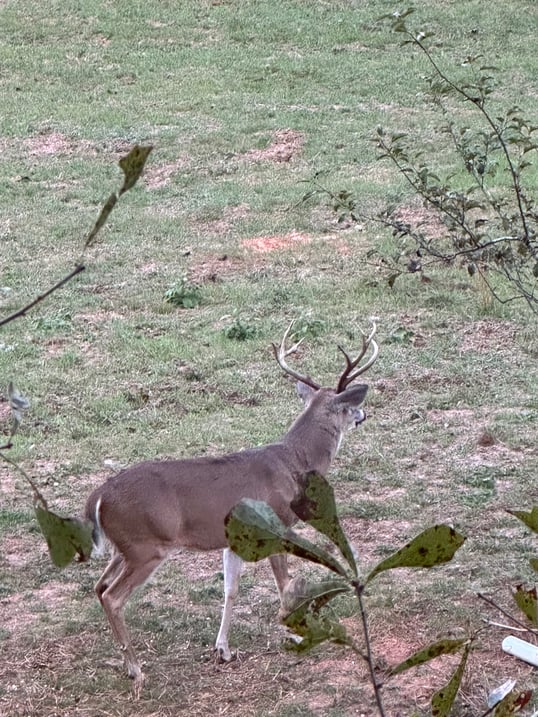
(360,416)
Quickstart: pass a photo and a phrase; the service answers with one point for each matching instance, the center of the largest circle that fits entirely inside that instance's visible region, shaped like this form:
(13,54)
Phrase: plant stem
(507,614)
(479,104)
(369,657)
(38,497)
(25,309)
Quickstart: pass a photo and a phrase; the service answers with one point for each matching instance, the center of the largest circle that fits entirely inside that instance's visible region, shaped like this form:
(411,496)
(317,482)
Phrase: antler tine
(349,374)
(281,353)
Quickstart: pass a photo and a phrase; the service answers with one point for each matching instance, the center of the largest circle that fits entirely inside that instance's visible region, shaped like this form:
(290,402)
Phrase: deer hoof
(138,684)
(223,654)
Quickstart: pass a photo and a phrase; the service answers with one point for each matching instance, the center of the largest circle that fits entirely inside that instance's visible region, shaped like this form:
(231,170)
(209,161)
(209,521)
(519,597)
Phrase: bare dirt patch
(55,143)
(469,428)
(285,144)
(488,335)
(161,175)
(50,143)
(266,244)
(211,268)
(16,551)
(5,415)
(423,219)
(220,226)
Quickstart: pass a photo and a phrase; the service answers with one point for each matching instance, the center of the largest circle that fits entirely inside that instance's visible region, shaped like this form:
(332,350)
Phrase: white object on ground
(498,694)
(522,649)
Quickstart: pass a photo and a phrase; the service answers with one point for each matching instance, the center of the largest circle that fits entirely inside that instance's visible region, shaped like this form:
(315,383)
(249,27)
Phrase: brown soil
(265,244)
(285,145)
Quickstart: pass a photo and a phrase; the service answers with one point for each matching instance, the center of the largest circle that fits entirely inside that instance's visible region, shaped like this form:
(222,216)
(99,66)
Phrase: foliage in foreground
(255,532)
(66,537)
(474,216)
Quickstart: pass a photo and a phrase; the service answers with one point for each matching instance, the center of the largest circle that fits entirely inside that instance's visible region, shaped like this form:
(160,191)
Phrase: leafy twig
(131,165)
(25,309)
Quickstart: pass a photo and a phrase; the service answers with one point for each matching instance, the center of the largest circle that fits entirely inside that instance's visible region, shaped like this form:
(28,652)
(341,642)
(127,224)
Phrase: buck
(147,511)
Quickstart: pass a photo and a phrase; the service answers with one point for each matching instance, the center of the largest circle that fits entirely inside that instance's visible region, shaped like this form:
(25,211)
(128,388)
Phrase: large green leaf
(432,547)
(132,166)
(530,519)
(316,506)
(441,647)
(443,699)
(66,537)
(314,630)
(254,531)
(301,596)
(527,601)
(303,601)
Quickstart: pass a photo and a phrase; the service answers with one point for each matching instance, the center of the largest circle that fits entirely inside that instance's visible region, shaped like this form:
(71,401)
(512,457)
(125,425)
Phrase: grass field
(244,102)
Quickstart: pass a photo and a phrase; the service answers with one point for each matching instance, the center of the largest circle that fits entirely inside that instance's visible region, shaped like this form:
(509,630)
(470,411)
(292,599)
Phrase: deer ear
(353,396)
(305,391)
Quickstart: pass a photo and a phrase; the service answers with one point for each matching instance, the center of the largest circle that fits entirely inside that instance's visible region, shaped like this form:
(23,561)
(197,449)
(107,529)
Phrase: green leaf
(441,647)
(443,699)
(433,546)
(527,602)
(303,601)
(66,537)
(101,220)
(316,506)
(132,166)
(530,519)
(314,630)
(534,564)
(301,597)
(254,531)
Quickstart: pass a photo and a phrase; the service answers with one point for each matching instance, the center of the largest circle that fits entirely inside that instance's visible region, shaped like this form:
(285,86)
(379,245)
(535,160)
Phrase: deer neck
(312,444)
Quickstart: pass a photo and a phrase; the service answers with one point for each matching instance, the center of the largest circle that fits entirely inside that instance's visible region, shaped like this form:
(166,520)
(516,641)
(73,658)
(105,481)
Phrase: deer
(147,511)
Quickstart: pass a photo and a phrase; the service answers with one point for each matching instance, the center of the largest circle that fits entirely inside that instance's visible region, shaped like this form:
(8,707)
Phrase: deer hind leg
(109,575)
(233,566)
(291,591)
(279,566)
(122,575)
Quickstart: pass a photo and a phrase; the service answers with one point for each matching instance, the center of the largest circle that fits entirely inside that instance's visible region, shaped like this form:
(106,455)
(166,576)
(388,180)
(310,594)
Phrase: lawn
(162,346)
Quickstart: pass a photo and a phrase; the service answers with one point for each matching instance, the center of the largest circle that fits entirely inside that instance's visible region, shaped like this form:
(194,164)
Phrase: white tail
(150,509)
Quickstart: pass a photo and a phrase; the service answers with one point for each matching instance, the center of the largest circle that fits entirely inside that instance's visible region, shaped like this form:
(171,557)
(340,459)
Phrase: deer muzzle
(360,416)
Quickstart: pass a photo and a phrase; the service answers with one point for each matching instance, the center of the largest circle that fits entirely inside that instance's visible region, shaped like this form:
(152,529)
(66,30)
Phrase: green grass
(116,374)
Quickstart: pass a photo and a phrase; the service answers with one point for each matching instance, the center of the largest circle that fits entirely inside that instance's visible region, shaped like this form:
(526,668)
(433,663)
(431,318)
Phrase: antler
(281,353)
(349,373)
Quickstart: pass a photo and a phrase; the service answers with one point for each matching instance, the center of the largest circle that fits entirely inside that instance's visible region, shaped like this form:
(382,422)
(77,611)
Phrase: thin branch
(25,309)
(436,203)
(490,122)
(38,497)
(377,687)
(505,627)
(132,165)
(489,601)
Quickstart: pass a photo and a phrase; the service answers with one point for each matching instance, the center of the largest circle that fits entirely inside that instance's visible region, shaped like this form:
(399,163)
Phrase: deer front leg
(233,566)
